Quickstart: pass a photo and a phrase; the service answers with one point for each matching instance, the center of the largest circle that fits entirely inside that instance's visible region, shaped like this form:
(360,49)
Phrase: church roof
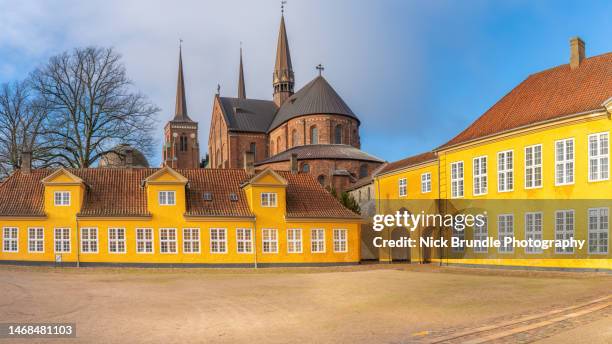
(248,115)
(322,151)
(317,97)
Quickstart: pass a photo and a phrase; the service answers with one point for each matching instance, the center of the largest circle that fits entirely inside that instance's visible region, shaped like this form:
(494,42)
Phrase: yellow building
(167,217)
(537,163)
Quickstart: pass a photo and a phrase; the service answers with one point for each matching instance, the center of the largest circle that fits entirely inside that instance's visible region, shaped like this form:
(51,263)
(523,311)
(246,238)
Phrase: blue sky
(415,72)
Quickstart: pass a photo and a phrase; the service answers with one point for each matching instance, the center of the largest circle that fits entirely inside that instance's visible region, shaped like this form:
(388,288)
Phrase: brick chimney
(294,163)
(249,163)
(576,52)
(26,162)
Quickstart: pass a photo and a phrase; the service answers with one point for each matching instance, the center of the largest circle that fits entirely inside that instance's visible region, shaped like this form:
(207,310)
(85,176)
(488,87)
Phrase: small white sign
(58,258)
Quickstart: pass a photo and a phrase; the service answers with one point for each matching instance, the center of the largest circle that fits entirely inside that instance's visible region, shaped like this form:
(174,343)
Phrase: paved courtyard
(362,304)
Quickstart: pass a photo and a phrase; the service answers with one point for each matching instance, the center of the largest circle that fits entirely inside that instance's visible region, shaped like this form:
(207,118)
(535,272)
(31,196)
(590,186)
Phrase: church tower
(181,147)
(282,79)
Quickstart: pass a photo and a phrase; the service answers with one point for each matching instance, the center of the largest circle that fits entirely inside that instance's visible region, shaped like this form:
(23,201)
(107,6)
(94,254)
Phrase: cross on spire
(320,68)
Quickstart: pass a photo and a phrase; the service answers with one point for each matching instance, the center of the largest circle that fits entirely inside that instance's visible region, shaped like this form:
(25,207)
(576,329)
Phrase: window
(294,138)
(340,240)
(191,240)
(253,149)
(10,242)
(268,199)
(306,168)
(564,162)
(144,240)
(36,240)
(270,241)
(218,240)
(480,175)
(505,229)
(460,235)
(505,171)
(89,240)
(457,179)
(167,198)
(62,240)
(116,240)
(564,229)
(481,232)
(598,157)
(425,182)
(338,134)
(533,231)
(533,167)
(598,231)
(10,239)
(321,179)
(294,240)
(244,240)
(183,143)
(314,135)
(62,198)
(402,184)
(167,240)
(317,240)
(363,170)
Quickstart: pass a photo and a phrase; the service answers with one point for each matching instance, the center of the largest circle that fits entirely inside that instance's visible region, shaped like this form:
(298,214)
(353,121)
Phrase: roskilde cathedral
(312,129)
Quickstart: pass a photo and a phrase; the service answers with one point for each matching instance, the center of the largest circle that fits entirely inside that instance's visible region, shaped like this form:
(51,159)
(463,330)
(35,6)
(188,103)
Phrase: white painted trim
(145,241)
(506,171)
(12,239)
(301,240)
(176,243)
(225,241)
(323,240)
(573,161)
(541,167)
(345,240)
(69,240)
(589,157)
(199,240)
(83,241)
(108,240)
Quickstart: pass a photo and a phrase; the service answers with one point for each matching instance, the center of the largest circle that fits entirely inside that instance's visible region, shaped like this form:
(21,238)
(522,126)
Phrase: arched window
(321,179)
(183,143)
(314,135)
(338,134)
(271,147)
(363,171)
(305,168)
(294,138)
(278,145)
(253,149)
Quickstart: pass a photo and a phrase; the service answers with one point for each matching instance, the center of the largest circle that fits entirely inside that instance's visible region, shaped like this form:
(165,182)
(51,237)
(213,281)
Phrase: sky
(415,72)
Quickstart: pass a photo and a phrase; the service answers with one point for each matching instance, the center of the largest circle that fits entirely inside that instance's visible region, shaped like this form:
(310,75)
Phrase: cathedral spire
(241,88)
(283,79)
(180,113)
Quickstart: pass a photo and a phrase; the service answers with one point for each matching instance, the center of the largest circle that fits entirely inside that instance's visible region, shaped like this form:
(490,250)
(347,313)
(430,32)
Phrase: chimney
(26,162)
(249,163)
(129,158)
(294,163)
(576,52)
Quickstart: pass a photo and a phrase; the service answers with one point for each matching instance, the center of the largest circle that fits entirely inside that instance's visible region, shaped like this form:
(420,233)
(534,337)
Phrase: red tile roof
(119,192)
(408,162)
(550,94)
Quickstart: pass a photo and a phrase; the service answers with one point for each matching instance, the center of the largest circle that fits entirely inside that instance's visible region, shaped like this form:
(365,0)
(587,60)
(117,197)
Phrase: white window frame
(505,171)
(600,229)
(294,242)
(269,200)
(507,231)
(563,164)
(480,235)
(426,182)
(562,230)
(63,200)
(480,176)
(86,240)
(164,198)
(402,187)
(534,229)
(218,240)
(270,240)
(168,240)
(244,242)
(602,155)
(461,235)
(340,241)
(317,241)
(531,167)
(116,241)
(145,245)
(36,240)
(9,242)
(457,179)
(62,240)
(191,238)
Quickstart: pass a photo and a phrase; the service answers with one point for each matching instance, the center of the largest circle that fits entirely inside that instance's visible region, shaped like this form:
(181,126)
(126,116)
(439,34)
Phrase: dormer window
(167,198)
(268,200)
(207,196)
(62,198)
(233,197)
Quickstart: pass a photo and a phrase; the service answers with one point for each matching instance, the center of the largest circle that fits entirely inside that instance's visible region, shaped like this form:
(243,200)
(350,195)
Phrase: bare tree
(21,119)
(92,107)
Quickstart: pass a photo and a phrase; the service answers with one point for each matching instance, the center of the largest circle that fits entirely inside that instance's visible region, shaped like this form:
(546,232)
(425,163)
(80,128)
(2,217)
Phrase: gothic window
(338,134)
(363,171)
(183,143)
(314,135)
(321,179)
(306,168)
(253,149)
(294,138)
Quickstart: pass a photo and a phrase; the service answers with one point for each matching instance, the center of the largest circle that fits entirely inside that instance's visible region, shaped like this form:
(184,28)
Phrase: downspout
(255,241)
(78,241)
